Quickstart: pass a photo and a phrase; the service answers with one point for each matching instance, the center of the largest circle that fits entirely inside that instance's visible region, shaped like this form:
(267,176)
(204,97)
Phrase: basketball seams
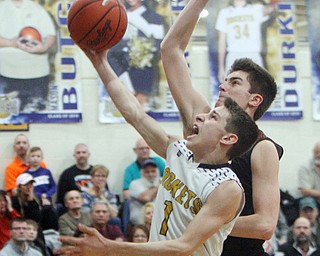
(79,10)
(97,23)
(118,24)
(96,27)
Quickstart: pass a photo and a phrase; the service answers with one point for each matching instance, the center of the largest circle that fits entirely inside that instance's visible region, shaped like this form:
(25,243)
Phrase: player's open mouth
(195,129)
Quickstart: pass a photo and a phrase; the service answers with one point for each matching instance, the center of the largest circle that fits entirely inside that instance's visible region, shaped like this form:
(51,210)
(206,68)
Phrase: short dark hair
(17,219)
(241,124)
(261,82)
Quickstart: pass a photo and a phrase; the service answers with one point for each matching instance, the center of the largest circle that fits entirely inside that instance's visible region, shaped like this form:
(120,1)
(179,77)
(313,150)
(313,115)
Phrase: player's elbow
(266,230)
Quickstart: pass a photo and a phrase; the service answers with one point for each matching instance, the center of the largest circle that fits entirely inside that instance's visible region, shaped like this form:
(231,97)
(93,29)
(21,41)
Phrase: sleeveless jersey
(184,189)
(237,246)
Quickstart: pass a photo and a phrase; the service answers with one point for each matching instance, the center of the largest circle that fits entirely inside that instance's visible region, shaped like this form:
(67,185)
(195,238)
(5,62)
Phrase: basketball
(94,26)
(30,33)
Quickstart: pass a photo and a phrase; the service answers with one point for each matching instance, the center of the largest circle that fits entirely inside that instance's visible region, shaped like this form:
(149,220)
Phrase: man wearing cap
(25,202)
(133,171)
(308,208)
(302,240)
(143,190)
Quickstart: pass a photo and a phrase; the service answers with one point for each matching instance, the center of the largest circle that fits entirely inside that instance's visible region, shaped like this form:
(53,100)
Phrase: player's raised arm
(188,100)
(129,106)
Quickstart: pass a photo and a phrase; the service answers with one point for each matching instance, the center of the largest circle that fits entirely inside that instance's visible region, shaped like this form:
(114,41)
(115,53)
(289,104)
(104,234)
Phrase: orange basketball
(30,33)
(93,26)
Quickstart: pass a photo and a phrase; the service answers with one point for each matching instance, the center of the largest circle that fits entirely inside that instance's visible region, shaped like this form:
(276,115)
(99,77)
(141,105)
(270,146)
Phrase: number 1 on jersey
(167,211)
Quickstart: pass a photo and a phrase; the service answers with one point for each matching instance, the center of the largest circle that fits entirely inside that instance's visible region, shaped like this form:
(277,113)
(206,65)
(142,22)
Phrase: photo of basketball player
(27,33)
(136,58)
(240,33)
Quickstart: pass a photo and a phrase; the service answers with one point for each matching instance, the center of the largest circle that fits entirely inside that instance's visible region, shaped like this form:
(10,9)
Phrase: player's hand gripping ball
(94,26)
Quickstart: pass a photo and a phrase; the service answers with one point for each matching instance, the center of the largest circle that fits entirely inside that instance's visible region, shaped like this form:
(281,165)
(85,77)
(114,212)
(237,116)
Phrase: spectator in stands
(44,186)
(98,191)
(35,241)
(302,240)
(139,234)
(19,164)
(147,214)
(100,216)
(309,175)
(68,221)
(132,172)
(143,190)
(77,176)
(29,207)
(308,209)
(7,213)
(25,202)
(18,245)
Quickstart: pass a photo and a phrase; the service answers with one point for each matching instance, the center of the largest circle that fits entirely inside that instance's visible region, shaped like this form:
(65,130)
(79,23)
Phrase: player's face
(35,158)
(21,145)
(236,86)
(208,129)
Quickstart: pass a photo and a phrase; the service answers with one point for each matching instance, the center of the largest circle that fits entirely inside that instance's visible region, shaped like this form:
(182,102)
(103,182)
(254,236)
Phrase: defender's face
(236,86)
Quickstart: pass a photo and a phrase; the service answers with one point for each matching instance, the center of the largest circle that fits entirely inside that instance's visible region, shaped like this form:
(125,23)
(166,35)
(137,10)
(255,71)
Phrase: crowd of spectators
(35,211)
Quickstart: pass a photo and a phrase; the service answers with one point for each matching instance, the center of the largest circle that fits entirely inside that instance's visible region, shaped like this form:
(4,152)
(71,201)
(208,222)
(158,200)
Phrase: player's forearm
(254,226)
(163,248)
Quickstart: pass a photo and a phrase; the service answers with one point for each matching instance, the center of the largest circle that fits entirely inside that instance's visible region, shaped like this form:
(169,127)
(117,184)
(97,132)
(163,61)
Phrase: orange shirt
(13,170)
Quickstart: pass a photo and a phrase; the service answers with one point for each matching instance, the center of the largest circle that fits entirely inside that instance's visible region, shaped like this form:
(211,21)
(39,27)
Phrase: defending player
(197,204)
(254,90)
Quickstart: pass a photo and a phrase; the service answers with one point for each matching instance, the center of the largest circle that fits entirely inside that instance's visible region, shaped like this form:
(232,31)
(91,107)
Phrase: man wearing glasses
(18,244)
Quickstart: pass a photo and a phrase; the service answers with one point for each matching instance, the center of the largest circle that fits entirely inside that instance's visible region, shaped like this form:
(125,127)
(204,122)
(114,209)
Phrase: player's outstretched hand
(92,244)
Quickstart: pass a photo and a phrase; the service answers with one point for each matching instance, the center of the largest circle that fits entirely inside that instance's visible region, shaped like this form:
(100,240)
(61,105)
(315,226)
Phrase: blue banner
(39,64)
(266,33)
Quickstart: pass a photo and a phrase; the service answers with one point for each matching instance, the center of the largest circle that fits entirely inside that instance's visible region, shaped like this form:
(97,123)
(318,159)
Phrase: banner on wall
(267,34)
(39,76)
(313,10)
(136,60)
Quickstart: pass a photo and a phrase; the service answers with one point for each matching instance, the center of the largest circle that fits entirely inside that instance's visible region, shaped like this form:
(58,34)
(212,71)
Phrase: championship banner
(313,10)
(264,32)
(39,64)
(136,60)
